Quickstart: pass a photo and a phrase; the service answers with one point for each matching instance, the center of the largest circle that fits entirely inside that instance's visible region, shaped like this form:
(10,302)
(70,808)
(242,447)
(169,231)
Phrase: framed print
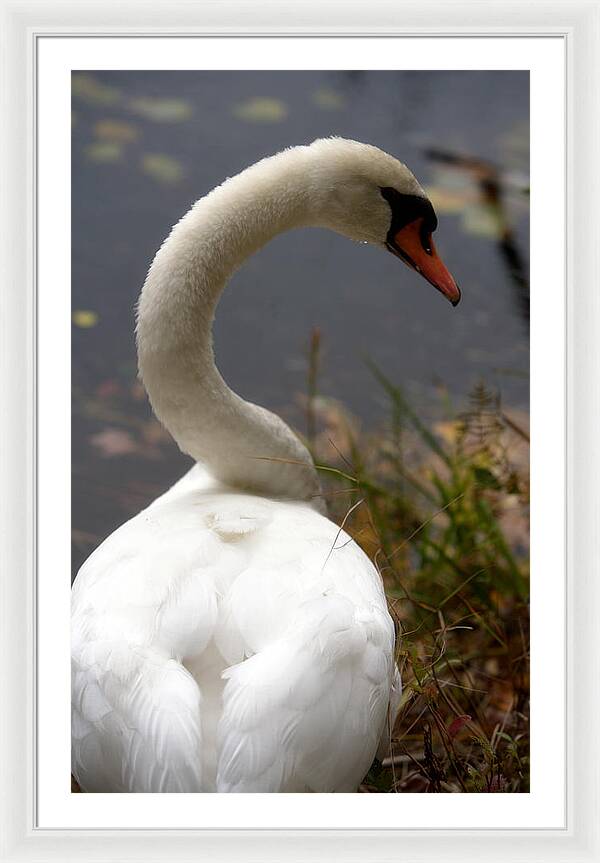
(443,454)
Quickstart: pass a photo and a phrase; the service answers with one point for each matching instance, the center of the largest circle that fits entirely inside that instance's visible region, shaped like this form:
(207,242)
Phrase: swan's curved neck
(242,444)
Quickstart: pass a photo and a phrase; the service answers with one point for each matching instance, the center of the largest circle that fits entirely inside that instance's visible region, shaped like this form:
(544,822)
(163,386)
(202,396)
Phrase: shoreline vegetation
(442,509)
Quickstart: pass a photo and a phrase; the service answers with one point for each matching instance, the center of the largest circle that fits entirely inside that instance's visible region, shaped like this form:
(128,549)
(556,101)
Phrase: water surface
(147,144)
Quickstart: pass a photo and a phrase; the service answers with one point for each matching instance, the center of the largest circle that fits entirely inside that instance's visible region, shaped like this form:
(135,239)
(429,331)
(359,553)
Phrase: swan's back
(226,642)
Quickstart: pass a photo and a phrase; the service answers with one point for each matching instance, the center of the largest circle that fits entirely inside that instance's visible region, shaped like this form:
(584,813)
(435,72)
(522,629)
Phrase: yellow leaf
(85,318)
(162,110)
(328,99)
(115,131)
(89,89)
(161,167)
(104,151)
(261,110)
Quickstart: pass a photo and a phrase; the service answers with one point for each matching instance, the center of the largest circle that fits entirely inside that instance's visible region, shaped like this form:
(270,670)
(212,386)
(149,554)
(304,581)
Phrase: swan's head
(369,196)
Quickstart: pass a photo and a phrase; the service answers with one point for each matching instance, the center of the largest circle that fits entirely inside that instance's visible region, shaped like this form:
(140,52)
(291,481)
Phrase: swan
(230,637)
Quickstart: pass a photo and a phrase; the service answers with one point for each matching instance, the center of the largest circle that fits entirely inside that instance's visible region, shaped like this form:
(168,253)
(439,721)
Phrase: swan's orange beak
(416,249)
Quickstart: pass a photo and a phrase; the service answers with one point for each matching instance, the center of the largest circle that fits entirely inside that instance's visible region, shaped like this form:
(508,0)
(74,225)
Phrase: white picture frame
(22,24)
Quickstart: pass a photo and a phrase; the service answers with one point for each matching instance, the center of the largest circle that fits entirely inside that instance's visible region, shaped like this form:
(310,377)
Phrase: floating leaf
(83,538)
(87,88)
(162,110)
(115,131)
(261,110)
(108,389)
(329,100)
(161,167)
(85,318)
(114,442)
(104,151)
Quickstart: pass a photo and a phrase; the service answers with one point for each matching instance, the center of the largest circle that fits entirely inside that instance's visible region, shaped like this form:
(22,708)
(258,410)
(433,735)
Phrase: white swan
(229,637)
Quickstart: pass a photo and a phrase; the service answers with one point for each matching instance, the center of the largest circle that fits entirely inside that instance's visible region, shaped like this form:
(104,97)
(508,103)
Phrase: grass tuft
(445,518)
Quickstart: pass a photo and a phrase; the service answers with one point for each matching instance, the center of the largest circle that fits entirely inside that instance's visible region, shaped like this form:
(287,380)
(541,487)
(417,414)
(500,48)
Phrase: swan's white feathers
(177,599)
(321,696)
(147,734)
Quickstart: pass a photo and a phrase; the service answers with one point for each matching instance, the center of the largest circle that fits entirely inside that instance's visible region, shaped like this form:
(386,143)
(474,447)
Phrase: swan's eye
(427,242)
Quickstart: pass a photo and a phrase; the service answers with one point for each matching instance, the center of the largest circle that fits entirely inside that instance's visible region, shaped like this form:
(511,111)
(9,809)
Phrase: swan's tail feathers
(135,721)
(306,712)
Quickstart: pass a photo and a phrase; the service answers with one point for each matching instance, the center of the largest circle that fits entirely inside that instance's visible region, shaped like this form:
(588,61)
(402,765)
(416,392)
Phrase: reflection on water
(147,144)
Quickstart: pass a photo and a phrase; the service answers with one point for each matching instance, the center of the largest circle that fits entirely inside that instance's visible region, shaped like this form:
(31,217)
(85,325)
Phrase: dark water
(147,144)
